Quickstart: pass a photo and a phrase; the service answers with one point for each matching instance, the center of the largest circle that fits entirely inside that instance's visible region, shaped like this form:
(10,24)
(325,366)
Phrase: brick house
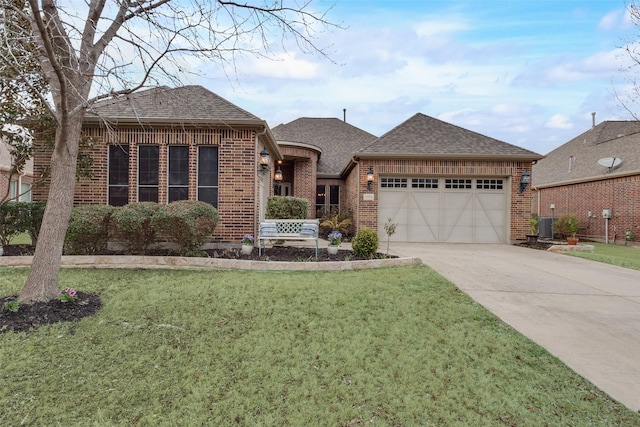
(595,171)
(21,184)
(437,181)
(164,144)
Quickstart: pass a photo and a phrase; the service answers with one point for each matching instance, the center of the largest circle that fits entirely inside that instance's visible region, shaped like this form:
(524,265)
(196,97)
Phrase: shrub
(287,207)
(566,225)
(186,222)
(132,223)
(365,243)
(14,219)
(88,231)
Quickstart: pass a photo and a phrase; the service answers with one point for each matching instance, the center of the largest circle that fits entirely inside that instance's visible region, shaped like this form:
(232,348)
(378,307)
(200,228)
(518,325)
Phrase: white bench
(288,229)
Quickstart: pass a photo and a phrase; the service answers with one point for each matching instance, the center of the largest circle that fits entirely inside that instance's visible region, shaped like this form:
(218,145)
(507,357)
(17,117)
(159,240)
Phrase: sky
(529,73)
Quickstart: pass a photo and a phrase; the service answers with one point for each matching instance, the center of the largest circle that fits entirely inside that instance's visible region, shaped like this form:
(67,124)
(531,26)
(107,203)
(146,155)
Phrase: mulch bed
(540,245)
(29,317)
(276,253)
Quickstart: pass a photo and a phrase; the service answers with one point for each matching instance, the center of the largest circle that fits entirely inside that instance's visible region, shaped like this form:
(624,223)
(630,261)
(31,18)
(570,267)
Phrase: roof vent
(593,119)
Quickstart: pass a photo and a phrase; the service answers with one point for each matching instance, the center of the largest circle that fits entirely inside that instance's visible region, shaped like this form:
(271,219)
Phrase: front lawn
(623,256)
(386,347)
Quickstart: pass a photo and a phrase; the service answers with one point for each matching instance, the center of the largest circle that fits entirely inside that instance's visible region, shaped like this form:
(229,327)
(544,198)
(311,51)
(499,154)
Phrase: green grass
(623,256)
(21,239)
(388,347)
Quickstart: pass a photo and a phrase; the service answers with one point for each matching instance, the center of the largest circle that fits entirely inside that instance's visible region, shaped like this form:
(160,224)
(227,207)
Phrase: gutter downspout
(256,183)
(357,162)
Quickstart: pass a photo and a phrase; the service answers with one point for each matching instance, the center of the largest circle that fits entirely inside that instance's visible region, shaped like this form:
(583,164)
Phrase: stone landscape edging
(170,262)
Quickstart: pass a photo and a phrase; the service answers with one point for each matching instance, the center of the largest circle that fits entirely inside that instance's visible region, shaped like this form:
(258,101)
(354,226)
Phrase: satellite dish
(609,162)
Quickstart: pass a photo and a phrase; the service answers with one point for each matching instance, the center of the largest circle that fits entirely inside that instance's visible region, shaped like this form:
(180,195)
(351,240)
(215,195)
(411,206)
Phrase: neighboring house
(20,188)
(437,181)
(163,144)
(596,171)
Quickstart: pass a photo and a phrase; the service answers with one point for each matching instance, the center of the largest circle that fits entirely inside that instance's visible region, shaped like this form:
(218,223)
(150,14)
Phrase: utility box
(545,228)
(606,213)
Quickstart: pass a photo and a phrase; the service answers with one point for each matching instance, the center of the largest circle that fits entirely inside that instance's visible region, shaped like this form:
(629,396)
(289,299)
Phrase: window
(23,196)
(424,183)
(326,204)
(148,173)
(178,178)
(208,175)
(13,190)
(489,184)
(321,197)
(118,176)
(393,182)
(334,199)
(457,183)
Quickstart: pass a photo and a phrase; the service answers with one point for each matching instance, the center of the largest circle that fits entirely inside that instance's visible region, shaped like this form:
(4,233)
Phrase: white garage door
(452,210)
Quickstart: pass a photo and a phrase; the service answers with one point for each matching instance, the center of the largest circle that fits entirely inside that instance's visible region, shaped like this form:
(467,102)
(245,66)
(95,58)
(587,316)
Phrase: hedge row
(189,223)
(287,207)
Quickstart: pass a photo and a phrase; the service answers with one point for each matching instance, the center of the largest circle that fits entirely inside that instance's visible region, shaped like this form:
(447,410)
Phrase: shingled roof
(336,139)
(427,137)
(185,105)
(577,160)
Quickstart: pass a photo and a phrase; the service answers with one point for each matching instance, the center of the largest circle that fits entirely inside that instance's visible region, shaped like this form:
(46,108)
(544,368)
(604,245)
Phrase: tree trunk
(42,282)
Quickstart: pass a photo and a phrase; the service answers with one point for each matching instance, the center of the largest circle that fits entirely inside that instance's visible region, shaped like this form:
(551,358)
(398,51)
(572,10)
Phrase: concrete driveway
(585,313)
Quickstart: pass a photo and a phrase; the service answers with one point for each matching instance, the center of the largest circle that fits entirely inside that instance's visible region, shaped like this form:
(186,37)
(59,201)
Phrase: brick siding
(238,160)
(368,209)
(621,195)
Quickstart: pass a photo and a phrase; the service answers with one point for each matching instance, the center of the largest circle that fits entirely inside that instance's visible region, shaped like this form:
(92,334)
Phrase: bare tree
(96,49)
(630,96)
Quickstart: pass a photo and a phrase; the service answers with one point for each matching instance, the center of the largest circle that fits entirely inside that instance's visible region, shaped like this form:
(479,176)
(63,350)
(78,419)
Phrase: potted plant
(247,244)
(335,240)
(533,237)
(567,226)
(336,224)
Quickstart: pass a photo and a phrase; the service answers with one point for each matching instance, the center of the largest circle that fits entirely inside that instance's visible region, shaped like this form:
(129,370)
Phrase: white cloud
(615,19)
(284,66)
(445,25)
(558,121)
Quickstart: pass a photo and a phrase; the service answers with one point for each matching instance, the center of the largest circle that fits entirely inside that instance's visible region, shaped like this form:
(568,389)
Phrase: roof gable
(577,160)
(336,139)
(426,136)
(171,105)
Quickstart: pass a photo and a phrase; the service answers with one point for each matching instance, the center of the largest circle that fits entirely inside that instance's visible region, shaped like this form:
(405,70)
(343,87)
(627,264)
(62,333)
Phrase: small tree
(390,229)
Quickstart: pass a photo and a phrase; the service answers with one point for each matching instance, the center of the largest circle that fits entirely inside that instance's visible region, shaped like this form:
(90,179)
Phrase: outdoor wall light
(370,178)
(524,181)
(264,160)
(277,177)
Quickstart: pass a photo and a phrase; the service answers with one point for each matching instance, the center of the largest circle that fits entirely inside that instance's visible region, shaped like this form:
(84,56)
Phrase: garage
(444,209)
